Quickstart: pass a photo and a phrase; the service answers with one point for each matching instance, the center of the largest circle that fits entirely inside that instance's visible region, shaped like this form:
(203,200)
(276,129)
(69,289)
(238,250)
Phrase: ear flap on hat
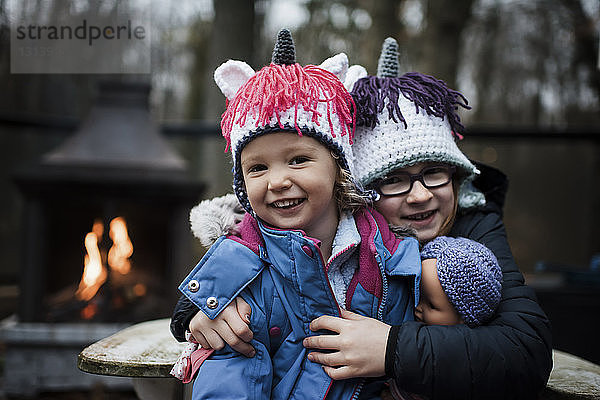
(231,76)
(355,72)
(337,65)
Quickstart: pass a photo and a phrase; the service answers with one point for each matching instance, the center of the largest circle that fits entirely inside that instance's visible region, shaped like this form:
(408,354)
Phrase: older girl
(406,151)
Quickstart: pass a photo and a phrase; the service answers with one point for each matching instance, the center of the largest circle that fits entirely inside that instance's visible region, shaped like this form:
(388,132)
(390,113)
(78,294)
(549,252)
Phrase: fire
(89,311)
(98,228)
(95,272)
(122,248)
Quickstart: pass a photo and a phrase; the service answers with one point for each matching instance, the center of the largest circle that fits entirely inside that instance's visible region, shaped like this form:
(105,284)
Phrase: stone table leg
(158,388)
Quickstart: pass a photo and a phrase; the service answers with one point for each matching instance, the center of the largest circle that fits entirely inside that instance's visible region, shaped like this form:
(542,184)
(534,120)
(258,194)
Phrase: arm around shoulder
(182,314)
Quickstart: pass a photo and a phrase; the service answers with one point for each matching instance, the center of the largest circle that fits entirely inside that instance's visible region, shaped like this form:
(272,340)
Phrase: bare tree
(232,37)
(386,23)
(440,41)
(525,64)
(586,50)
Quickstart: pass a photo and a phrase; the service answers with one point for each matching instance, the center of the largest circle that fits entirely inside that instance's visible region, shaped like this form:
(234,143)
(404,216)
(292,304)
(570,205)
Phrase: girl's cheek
(390,208)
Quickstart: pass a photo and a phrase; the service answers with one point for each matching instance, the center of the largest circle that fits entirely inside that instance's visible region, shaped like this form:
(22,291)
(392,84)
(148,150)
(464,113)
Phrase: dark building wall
(551,210)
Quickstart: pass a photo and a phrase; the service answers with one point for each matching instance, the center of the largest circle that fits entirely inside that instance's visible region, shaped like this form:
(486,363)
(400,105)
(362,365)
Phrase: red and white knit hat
(284,96)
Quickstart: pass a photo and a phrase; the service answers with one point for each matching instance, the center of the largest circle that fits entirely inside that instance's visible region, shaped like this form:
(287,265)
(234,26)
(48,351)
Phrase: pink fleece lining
(368,274)
(249,234)
(316,241)
(368,221)
(197,358)
(390,241)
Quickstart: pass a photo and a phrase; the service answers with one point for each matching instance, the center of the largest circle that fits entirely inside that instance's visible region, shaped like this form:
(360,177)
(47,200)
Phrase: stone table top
(572,378)
(144,350)
(148,350)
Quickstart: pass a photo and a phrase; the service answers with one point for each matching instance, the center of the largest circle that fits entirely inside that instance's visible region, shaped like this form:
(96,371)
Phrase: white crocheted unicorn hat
(404,120)
(284,96)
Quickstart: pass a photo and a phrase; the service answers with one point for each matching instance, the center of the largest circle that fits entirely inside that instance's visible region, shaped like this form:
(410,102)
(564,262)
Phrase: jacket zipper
(360,385)
(358,389)
(384,293)
(384,289)
(334,300)
(340,253)
(327,279)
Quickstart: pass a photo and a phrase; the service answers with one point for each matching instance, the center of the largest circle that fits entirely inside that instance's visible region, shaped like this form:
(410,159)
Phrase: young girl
(308,246)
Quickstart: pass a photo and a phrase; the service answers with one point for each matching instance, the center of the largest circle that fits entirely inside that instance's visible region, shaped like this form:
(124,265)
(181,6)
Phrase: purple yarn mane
(426,92)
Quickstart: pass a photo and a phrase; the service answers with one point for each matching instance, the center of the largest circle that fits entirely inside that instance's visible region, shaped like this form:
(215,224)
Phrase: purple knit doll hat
(470,276)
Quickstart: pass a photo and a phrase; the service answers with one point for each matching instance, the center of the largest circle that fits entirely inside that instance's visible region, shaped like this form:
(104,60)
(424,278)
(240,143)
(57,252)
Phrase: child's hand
(230,326)
(359,345)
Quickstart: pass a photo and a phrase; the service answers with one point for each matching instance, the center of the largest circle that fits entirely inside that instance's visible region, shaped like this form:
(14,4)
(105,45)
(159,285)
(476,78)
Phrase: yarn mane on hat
(285,84)
(372,93)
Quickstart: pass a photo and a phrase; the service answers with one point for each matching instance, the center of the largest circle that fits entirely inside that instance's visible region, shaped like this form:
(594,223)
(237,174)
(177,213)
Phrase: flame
(89,311)
(98,228)
(94,273)
(122,248)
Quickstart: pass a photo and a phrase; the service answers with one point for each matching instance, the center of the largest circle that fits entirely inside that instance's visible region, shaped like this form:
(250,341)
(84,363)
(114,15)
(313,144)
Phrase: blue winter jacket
(282,276)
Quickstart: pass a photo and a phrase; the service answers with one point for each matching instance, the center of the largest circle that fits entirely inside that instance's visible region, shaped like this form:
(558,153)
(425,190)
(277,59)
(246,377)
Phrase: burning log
(116,292)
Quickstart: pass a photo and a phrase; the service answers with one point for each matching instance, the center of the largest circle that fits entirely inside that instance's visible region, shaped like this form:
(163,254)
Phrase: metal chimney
(118,132)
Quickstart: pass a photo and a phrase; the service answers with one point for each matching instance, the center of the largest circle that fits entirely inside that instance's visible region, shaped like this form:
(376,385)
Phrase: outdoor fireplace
(106,242)
(114,199)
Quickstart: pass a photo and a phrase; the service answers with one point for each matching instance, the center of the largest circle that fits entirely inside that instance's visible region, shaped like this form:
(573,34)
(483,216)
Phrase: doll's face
(424,210)
(434,308)
(290,180)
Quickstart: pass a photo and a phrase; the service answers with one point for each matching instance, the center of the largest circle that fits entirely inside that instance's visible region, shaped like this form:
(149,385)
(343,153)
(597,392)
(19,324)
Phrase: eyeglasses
(402,182)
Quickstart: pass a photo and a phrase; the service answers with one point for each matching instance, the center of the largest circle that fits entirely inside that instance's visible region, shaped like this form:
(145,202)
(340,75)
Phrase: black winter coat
(508,358)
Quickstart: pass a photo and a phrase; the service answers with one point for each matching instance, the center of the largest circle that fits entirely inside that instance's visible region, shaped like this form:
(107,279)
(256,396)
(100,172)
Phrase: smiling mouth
(283,204)
(420,216)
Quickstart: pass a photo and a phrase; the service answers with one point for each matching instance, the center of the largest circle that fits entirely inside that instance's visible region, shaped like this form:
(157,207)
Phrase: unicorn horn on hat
(430,95)
(389,65)
(284,52)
